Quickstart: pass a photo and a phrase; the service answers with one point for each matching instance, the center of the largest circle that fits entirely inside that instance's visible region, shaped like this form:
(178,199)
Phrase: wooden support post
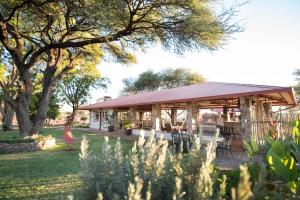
(100,119)
(247,111)
(132,116)
(267,110)
(226,114)
(173,116)
(116,121)
(156,117)
(141,119)
(189,117)
(195,120)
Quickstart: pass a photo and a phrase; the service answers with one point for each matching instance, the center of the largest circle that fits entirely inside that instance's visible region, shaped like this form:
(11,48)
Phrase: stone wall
(33,146)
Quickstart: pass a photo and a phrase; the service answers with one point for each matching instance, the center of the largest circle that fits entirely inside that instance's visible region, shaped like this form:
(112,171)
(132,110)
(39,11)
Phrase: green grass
(50,174)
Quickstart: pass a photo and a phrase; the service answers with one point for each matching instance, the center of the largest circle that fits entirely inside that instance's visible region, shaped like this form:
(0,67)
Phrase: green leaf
(254,145)
(296,123)
(279,149)
(293,186)
(284,167)
(248,149)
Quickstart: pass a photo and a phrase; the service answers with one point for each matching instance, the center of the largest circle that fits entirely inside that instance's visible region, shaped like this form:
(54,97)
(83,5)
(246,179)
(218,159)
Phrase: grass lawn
(50,174)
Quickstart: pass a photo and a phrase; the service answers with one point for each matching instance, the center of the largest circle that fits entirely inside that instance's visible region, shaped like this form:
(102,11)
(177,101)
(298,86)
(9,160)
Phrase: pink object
(68,136)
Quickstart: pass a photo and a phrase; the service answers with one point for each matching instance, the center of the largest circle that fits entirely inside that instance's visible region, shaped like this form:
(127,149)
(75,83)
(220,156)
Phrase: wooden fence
(280,126)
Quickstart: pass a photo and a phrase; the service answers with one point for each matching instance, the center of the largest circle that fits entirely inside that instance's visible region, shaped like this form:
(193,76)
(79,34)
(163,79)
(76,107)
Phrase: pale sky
(267,52)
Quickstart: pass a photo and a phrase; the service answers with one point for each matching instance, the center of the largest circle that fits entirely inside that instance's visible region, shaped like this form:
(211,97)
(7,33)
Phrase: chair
(187,141)
(225,131)
(225,145)
(176,140)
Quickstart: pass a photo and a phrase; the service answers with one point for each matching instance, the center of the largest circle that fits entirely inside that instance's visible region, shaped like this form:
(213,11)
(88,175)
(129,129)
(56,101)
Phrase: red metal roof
(197,92)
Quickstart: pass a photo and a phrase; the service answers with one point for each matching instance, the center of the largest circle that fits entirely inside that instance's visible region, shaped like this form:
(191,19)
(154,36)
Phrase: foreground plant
(149,171)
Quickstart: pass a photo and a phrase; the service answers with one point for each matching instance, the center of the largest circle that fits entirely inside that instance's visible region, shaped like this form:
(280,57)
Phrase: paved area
(223,161)
(227,161)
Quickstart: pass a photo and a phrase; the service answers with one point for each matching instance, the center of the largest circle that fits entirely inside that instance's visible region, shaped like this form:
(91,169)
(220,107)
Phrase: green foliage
(282,162)
(297,78)
(252,149)
(283,157)
(296,131)
(127,123)
(30,139)
(169,78)
(53,108)
(149,171)
(116,25)
(74,89)
(146,82)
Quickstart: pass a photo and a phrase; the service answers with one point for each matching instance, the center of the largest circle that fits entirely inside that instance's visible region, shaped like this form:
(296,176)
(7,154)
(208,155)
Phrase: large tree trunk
(22,101)
(8,117)
(49,82)
(72,116)
(173,116)
(41,114)
(22,114)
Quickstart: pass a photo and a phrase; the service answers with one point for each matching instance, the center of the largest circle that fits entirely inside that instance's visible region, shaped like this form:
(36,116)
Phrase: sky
(266,52)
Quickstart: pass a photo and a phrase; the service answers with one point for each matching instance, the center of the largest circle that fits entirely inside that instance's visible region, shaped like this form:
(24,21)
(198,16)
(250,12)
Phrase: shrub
(127,124)
(83,118)
(16,139)
(150,171)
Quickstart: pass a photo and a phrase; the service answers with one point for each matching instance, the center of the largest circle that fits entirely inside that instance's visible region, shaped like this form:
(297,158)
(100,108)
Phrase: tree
(8,87)
(169,78)
(74,89)
(146,82)
(297,78)
(59,31)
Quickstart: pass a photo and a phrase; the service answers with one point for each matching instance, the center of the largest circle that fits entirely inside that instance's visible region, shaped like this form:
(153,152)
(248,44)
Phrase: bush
(16,139)
(150,171)
(83,118)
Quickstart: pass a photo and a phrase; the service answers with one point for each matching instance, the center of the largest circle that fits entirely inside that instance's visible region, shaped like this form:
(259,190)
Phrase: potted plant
(127,124)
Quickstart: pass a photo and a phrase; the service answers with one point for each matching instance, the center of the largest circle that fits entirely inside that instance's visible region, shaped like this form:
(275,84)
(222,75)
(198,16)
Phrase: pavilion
(254,103)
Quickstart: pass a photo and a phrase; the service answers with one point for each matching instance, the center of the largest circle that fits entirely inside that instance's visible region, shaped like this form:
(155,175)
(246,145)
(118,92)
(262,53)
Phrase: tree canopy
(74,89)
(297,78)
(169,78)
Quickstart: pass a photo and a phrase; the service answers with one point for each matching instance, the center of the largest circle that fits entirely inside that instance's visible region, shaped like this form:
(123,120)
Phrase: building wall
(98,118)
(94,119)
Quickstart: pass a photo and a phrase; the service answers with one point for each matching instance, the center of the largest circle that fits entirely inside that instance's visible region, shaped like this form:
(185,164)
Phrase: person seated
(178,123)
(184,126)
(162,127)
(168,127)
